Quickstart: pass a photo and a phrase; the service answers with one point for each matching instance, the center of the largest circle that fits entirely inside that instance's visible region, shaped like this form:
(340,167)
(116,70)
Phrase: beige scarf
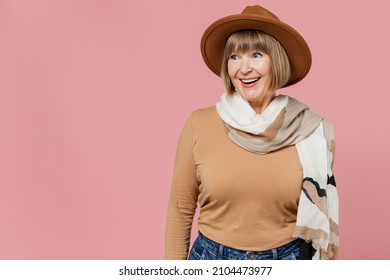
(286,122)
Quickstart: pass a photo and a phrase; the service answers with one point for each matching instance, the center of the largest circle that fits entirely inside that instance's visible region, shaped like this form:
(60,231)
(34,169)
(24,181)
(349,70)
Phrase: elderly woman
(258,164)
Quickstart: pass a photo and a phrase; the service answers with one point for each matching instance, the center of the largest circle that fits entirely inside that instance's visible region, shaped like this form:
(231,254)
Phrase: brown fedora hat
(256,17)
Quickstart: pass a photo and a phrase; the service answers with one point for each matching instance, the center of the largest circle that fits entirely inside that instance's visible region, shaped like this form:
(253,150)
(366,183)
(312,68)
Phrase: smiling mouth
(250,81)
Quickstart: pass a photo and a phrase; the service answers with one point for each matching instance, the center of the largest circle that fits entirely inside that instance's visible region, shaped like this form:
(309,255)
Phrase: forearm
(178,232)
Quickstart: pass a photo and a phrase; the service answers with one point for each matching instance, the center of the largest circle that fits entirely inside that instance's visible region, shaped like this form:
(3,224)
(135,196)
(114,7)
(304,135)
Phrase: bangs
(245,41)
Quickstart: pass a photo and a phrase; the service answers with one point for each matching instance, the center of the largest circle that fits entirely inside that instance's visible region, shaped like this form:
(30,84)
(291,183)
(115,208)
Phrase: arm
(183,198)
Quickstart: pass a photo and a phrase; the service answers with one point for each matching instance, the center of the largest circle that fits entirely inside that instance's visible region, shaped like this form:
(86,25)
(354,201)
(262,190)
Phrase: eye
(257,55)
(233,57)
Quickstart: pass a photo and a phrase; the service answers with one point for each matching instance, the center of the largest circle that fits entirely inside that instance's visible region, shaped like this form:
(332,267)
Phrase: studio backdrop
(94,94)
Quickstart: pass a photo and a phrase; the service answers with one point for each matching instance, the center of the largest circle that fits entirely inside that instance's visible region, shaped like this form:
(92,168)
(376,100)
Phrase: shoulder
(203,112)
(203,121)
(203,115)
(329,135)
(328,129)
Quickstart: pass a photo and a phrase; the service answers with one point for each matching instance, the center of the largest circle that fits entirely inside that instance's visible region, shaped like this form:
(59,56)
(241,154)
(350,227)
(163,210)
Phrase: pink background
(93,95)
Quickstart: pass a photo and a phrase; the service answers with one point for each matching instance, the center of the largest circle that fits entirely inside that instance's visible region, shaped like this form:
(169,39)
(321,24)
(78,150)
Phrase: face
(251,74)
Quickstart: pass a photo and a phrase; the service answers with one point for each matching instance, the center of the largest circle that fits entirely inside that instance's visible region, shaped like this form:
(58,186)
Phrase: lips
(249,82)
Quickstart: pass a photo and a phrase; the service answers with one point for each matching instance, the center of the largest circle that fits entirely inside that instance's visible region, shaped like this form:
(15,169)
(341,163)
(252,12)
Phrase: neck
(261,104)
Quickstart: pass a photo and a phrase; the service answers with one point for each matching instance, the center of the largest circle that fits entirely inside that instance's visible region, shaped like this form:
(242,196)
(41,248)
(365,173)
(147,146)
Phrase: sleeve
(183,198)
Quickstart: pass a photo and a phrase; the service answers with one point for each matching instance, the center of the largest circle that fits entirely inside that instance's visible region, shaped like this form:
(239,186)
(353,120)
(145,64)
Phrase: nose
(246,66)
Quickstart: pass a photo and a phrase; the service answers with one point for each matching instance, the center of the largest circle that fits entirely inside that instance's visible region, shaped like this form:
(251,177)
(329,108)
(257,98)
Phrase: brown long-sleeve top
(247,201)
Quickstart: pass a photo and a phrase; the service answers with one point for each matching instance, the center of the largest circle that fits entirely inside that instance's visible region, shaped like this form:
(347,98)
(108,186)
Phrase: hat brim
(214,39)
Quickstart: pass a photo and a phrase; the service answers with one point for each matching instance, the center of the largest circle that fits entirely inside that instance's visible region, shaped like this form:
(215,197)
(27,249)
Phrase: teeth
(250,81)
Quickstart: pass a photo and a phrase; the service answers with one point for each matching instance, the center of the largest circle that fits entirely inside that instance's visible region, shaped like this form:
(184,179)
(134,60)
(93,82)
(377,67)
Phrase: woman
(258,164)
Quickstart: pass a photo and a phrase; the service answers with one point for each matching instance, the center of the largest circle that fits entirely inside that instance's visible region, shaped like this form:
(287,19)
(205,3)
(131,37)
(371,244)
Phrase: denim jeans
(206,249)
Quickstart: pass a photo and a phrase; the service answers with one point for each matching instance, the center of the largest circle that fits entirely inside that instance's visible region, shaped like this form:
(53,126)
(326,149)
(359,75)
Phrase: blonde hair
(256,40)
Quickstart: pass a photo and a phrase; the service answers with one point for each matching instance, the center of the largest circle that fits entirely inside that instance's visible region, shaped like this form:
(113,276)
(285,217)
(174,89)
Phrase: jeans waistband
(240,254)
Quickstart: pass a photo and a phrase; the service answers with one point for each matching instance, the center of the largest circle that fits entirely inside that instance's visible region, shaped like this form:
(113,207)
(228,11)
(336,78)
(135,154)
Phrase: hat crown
(259,11)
